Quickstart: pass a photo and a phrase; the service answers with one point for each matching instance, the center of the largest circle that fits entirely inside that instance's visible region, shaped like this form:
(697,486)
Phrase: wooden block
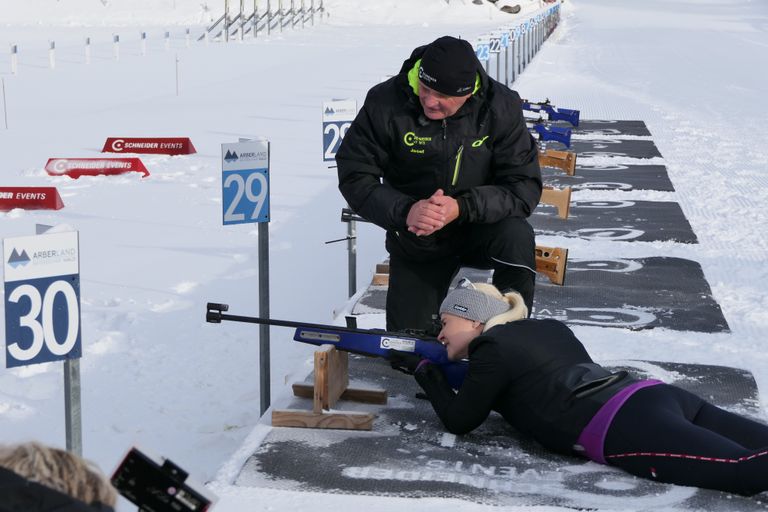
(331,377)
(363,396)
(382,268)
(552,261)
(380,280)
(309,419)
(563,160)
(559,198)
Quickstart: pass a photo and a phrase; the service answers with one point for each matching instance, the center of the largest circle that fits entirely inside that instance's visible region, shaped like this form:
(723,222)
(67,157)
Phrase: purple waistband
(592,438)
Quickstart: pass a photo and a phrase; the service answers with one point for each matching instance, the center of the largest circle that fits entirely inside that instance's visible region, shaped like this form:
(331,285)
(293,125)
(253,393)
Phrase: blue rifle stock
(553,114)
(556,133)
(367,342)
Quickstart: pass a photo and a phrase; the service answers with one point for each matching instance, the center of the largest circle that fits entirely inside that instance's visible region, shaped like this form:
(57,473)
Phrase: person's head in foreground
(473,308)
(447,76)
(59,470)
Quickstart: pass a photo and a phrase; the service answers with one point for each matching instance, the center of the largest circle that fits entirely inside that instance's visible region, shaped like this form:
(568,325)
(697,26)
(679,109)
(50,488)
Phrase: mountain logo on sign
(231,156)
(329,110)
(18,260)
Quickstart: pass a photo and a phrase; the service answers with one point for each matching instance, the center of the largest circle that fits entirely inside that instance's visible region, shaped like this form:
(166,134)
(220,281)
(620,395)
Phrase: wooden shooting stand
(331,385)
(550,261)
(563,160)
(559,198)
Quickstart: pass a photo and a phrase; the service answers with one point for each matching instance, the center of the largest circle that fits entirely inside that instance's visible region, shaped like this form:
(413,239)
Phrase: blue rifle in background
(553,113)
(556,133)
(367,342)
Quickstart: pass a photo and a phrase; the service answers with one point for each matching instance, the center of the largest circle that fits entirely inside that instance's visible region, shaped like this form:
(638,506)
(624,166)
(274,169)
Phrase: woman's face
(457,333)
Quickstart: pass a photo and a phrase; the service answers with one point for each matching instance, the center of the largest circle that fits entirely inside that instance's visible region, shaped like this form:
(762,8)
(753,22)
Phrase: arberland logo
(459,307)
(18,260)
(230,156)
(329,110)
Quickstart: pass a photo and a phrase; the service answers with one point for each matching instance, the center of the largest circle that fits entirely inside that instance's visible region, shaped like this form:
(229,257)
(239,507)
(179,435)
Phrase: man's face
(456,334)
(437,105)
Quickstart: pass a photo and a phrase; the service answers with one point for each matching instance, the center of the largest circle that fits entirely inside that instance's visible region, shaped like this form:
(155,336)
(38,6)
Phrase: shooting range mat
(620,148)
(633,294)
(640,293)
(409,454)
(627,221)
(599,128)
(624,177)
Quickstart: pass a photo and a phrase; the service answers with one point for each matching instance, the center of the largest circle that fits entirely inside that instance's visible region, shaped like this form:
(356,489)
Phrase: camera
(158,486)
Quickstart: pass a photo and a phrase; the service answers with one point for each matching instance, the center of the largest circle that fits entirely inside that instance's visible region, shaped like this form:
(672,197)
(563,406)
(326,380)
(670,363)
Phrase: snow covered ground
(153,251)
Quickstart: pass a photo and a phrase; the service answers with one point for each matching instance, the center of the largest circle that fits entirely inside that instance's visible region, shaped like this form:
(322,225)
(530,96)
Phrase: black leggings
(668,434)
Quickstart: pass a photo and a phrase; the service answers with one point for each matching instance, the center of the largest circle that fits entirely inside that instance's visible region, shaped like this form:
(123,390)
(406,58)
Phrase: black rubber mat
(632,294)
(408,453)
(598,128)
(627,221)
(623,148)
(635,294)
(623,177)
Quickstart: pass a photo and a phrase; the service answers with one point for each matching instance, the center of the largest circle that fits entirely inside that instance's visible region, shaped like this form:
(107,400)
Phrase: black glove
(405,362)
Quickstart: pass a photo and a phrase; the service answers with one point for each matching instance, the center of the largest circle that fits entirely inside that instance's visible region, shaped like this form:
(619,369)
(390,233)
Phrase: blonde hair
(59,470)
(517,308)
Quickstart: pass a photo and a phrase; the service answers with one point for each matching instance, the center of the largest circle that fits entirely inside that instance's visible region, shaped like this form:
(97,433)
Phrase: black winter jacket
(536,374)
(483,156)
(18,494)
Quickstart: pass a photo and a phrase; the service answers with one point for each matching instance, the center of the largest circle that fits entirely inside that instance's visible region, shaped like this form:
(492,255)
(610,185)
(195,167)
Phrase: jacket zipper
(457,166)
(445,126)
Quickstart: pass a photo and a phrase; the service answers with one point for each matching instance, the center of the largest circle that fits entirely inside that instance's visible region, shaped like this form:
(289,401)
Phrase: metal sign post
(245,194)
(42,313)
(337,118)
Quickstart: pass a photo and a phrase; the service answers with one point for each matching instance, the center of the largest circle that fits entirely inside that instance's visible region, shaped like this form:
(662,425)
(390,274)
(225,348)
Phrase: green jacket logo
(479,142)
(411,139)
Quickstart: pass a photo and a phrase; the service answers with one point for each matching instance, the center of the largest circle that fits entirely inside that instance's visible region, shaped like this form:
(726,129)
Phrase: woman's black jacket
(535,373)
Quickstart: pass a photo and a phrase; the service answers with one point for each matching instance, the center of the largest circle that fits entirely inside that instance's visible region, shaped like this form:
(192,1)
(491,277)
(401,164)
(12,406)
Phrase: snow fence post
(87,50)
(116,46)
(52,54)
(14,59)
(5,106)
(143,43)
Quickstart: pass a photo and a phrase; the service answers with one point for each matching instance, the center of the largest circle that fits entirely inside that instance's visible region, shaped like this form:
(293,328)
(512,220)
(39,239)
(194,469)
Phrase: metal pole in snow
(14,59)
(72,409)
(87,50)
(264,369)
(116,46)
(143,43)
(52,55)
(5,106)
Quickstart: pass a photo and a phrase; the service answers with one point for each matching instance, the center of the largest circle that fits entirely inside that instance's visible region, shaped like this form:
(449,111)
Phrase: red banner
(150,145)
(76,167)
(30,198)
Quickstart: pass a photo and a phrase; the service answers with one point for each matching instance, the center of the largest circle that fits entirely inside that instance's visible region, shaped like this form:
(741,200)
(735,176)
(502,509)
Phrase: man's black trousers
(417,287)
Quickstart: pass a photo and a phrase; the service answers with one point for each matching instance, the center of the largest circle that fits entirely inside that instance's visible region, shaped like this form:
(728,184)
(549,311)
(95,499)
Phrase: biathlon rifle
(553,113)
(556,133)
(367,342)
